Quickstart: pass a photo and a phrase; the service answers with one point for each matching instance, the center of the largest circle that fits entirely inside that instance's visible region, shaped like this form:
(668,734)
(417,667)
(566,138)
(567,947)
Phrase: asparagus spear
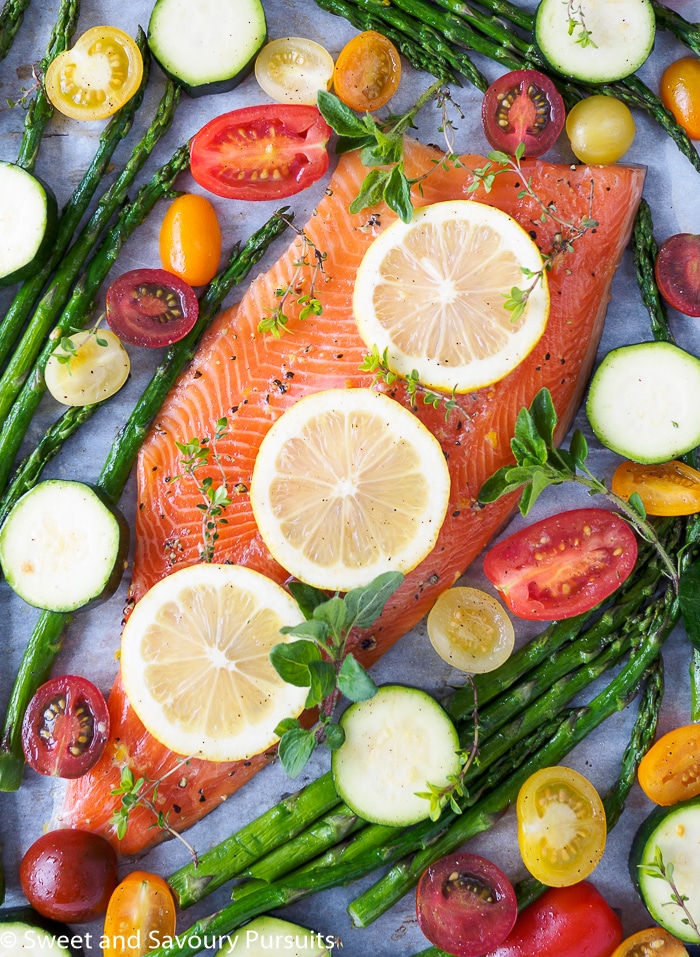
(46,639)
(26,296)
(81,303)
(645,250)
(682,29)
(40,109)
(10,21)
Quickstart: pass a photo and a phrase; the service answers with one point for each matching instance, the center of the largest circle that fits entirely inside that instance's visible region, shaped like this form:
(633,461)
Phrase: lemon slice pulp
(195,661)
(432,293)
(348,484)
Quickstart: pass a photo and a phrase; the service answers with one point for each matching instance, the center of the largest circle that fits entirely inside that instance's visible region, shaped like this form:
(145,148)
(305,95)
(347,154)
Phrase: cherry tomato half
(465,904)
(470,630)
(561,826)
(670,770)
(69,875)
(367,72)
(563,565)
(600,129)
(653,940)
(97,76)
(65,727)
(523,106)
(151,307)
(672,488)
(680,93)
(261,152)
(294,69)
(140,916)
(564,922)
(677,272)
(190,239)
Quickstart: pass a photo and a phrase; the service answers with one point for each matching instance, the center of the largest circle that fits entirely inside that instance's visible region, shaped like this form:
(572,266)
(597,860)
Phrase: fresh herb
(377,363)
(141,792)
(320,661)
(198,454)
(663,871)
(310,260)
(539,464)
(576,20)
(68,348)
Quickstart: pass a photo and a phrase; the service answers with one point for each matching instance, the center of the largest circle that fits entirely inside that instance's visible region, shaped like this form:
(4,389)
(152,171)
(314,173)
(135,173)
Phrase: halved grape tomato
(65,727)
(678,272)
(151,307)
(525,107)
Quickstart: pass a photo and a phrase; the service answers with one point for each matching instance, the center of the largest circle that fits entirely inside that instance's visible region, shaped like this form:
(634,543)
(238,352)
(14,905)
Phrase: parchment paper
(673,191)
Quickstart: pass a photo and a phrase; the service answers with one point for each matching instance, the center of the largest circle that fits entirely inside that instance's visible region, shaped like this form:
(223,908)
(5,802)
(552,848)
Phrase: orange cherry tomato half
(670,770)
(367,72)
(672,488)
(140,916)
(680,93)
(190,239)
(654,941)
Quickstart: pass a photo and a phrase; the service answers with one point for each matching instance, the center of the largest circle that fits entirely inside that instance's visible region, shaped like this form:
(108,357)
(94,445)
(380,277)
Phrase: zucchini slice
(28,223)
(670,835)
(595,41)
(644,402)
(208,46)
(396,744)
(62,546)
(266,936)
(23,930)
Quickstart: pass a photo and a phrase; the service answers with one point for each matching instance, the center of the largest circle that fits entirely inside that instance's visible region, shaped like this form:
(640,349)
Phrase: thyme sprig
(377,363)
(664,871)
(67,349)
(142,792)
(321,662)
(575,19)
(539,464)
(196,455)
(309,265)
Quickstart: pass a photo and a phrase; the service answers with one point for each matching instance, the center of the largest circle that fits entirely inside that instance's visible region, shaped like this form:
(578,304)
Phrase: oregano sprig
(539,464)
(320,661)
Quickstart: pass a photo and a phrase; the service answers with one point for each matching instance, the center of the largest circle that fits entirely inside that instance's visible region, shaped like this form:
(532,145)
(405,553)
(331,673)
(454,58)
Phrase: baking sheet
(673,191)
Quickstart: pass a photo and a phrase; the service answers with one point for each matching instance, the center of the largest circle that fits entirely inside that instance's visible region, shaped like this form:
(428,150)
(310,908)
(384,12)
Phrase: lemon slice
(196,661)
(432,293)
(348,484)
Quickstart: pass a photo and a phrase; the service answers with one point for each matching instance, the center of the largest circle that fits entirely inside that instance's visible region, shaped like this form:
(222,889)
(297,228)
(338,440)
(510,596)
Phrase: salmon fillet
(251,378)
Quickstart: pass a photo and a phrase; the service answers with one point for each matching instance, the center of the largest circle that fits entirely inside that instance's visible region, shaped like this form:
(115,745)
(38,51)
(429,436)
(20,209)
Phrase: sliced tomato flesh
(151,307)
(261,153)
(563,565)
(524,107)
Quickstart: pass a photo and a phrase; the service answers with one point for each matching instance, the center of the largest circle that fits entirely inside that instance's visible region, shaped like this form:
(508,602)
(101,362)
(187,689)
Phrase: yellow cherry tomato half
(140,916)
(670,770)
(600,129)
(97,76)
(190,239)
(561,826)
(680,93)
(671,488)
(294,69)
(87,367)
(470,630)
(367,72)
(654,941)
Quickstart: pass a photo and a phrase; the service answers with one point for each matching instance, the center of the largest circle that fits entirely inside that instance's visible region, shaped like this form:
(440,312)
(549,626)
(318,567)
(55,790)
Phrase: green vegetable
(24,931)
(10,21)
(30,218)
(46,639)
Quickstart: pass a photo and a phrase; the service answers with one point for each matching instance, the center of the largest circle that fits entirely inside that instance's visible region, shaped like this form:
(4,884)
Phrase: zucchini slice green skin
(674,833)
(36,934)
(28,221)
(209,46)
(265,936)
(63,546)
(604,43)
(396,744)
(644,402)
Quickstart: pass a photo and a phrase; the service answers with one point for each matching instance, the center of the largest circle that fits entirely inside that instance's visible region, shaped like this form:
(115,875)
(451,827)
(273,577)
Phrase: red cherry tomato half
(571,921)
(69,875)
(465,905)
(151,307)
(563,565)
(65,727)
(677,272)
(523,106)
(261,152)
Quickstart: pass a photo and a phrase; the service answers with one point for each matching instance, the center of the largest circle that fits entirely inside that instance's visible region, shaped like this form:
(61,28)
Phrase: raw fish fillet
(251,378)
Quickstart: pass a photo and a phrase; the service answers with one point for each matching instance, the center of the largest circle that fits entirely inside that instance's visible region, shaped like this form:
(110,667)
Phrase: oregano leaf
(295,750)
(291,661)
(364,605)
(354,682)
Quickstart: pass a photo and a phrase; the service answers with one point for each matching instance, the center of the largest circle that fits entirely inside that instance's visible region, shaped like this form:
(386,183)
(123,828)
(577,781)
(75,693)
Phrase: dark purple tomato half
(678,272)
(151,308)
(524,107)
